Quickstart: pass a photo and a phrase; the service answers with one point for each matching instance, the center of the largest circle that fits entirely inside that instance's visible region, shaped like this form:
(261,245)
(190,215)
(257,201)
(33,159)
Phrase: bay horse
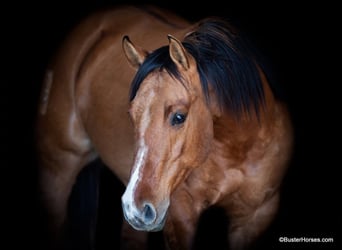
(187,119)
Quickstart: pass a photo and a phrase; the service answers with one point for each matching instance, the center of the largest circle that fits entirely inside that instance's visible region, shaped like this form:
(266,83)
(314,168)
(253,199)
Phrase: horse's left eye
(178,118)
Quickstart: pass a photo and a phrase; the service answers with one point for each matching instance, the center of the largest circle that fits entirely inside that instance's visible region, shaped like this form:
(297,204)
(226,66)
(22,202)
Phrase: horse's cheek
(199,146)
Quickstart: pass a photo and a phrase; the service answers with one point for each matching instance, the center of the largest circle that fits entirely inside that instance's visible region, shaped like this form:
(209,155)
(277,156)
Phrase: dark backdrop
(299,41)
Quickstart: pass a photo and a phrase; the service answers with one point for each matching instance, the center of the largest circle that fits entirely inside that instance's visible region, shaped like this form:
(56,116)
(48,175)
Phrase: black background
(298,38)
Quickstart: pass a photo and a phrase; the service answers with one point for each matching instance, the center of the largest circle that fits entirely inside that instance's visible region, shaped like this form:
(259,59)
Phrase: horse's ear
(178,53)
(134,54)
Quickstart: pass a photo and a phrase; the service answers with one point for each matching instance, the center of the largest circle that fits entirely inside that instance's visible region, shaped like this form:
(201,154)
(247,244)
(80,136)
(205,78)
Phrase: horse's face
(173,127)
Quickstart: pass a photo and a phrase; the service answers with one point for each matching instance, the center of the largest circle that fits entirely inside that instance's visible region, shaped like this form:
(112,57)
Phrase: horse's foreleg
(58,172)
(244,230)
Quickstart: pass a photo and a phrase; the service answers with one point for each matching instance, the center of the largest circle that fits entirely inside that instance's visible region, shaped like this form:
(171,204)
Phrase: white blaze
(128,196)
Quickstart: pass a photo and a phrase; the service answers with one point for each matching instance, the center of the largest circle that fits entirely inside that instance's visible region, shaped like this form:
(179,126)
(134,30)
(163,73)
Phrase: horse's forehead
(162,87)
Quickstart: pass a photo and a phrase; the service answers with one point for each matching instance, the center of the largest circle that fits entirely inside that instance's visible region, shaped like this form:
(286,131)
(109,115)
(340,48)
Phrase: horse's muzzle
(145,219)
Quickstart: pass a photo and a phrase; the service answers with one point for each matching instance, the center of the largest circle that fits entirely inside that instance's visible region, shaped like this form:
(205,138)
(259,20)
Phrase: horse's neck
(233,139)
(237,140)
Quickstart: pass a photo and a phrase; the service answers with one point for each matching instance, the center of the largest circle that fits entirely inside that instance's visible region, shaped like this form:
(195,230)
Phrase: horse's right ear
(134,55)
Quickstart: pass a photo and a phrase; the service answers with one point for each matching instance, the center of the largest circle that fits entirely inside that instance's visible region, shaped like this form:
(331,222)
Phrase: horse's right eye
(177,119)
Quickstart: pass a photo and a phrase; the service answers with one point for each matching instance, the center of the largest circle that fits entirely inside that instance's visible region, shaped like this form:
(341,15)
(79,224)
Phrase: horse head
(173,127)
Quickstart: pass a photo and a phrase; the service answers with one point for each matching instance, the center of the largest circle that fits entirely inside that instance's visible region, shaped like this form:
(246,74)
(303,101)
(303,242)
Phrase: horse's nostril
(149,213)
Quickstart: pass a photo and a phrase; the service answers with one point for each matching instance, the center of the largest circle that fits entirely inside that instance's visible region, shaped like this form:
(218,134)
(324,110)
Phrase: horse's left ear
(135,55)
(178,53)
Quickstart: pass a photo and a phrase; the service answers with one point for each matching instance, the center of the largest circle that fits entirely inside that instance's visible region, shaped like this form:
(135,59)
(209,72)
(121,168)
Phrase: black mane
(224,60)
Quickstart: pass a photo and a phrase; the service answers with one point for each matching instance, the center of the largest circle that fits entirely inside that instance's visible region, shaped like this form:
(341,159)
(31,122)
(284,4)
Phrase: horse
(183,113)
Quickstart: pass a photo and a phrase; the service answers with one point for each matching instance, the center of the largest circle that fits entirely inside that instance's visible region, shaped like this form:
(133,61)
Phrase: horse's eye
(178,118)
